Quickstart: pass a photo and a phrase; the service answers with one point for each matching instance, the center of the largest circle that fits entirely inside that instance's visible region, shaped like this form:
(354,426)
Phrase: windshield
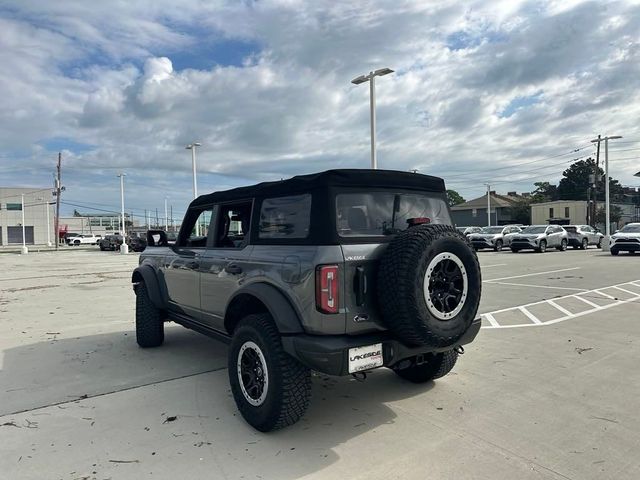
(630,229)
(535,229)
(384,213)
(492,230)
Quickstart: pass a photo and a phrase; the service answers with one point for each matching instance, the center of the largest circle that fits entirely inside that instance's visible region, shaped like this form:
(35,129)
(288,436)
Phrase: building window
(551,213)
(14,206)
(566,212)
(474,213)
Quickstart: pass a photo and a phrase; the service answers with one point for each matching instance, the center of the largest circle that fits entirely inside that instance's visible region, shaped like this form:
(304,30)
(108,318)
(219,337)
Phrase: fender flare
(147,274)
(284,315)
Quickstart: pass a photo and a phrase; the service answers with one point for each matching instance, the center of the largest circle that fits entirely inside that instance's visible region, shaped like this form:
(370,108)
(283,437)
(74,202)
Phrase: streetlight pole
(607,207)
(124,248)
(371,78)
(166,216)
(488,205)
(192,146)
(24,249)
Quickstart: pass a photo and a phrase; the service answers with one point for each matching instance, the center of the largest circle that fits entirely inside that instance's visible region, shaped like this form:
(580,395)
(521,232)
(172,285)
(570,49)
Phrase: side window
(285,217)
(233,225)
(197,228)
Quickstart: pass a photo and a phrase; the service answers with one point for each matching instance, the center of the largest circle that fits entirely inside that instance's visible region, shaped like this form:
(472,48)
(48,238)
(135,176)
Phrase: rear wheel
(515,250)
(542,247)
(585,243)
(498,246)
(149,322)
(563,245)
(270,387)
(435,365)
(614,252)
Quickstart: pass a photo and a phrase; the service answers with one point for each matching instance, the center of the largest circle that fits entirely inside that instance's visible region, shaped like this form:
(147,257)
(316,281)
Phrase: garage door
(14,235)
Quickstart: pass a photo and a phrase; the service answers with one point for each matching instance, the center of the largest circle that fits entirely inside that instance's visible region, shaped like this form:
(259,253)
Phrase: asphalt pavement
(550,389)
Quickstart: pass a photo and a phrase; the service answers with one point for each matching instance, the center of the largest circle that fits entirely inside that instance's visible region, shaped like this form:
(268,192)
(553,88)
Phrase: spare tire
(429,285)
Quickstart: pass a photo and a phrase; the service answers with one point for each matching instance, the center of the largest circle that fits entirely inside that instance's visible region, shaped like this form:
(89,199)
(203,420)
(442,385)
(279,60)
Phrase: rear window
(374,214)
(285,217)
(571,229)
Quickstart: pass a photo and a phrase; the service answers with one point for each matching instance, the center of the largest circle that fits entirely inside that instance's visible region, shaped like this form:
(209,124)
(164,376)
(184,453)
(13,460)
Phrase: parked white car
(88,239)
(494,237)
(627,239)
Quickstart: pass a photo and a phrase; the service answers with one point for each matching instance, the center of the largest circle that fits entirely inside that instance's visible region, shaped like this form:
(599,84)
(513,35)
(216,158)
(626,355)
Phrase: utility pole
(24,249)
(124,248)
(488,205)
(595,182)
(171,217)
(58,191)
(157,221)
(607,207)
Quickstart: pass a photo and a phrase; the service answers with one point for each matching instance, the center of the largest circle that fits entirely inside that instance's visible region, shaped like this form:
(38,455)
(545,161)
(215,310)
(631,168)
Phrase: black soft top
(387,179)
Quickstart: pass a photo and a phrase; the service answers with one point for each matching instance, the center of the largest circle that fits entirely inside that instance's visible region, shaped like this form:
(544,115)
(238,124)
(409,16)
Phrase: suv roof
(330,178)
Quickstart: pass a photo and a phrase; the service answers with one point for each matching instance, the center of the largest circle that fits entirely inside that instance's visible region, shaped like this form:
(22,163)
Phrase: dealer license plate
(365,358)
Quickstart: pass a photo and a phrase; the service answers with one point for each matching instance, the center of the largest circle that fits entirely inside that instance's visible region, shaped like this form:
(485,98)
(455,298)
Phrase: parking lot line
(562,309)
(588,302)
(540,286)
(529,315)
(496,265)
(566,314)
(531,274)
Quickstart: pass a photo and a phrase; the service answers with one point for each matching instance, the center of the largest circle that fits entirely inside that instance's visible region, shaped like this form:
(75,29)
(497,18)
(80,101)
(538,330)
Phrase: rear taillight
(327,289)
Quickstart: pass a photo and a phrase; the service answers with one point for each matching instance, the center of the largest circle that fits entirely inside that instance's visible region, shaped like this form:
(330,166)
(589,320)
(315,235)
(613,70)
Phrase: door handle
(193,265)
(233,268)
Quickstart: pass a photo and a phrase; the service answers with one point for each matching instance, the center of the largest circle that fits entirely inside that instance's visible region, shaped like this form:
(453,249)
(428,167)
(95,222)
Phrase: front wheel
(436,365)
(271,388)
(149,323)
(614,252)
(498,246)
(542,247)
(515,250)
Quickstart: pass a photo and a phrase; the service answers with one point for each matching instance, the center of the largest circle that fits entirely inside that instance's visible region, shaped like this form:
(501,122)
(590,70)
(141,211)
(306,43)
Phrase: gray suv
(539,238)
(340,272)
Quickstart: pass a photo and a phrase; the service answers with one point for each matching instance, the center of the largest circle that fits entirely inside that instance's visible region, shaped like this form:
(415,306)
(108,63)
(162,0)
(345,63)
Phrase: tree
(575,182)
(454,198)
(520,211)
(615,214)
(544,192)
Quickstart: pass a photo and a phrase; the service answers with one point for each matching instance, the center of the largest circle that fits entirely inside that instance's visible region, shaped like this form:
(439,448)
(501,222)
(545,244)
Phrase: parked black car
(111,242)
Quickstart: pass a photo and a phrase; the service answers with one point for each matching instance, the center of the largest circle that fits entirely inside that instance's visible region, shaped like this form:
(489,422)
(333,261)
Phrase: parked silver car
(539,238)
(581,236)
(494,237)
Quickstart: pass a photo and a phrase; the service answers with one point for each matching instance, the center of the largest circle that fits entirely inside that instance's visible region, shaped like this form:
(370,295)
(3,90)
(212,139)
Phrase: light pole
(607,204)
(124,248)
(488,205)
(192,146)
(371,78)
(166,216)
(24,248)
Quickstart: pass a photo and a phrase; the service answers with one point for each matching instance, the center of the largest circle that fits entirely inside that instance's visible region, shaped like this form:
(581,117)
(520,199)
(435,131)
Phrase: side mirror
(157,238)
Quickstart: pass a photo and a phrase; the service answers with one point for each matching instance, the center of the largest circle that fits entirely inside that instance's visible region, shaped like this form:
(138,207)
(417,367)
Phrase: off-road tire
(436,365)
(289,382)
(401,276)
(498,246)
(542,247)
(149,322)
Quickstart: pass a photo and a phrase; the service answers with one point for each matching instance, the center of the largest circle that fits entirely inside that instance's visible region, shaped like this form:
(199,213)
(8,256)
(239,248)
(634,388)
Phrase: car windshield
(384,213)
(535,229)
(491,230)
(630,229)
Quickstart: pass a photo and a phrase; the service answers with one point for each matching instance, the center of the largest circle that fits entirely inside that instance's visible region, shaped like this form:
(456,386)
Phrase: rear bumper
(330,353)
(574,242)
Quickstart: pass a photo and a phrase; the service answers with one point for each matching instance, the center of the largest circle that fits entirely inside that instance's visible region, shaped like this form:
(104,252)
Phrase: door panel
(181,273)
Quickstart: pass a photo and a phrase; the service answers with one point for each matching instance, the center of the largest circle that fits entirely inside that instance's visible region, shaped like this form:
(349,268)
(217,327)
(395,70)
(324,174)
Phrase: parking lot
(550,389)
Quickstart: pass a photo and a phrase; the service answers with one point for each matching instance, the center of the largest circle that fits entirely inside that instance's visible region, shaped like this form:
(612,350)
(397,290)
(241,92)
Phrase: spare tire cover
(429,285)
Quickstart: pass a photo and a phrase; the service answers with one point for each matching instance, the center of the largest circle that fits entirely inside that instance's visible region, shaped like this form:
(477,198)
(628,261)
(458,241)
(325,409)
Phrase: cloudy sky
(506,91)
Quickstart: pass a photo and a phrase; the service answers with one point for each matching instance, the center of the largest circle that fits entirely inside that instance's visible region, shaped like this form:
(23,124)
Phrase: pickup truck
(86,239)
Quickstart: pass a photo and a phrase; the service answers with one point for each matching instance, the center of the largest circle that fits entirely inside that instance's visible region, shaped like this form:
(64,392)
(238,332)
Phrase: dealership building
(26,215)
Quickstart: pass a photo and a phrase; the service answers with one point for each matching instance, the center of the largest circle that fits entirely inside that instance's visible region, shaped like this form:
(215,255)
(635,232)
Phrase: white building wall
(35,213)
